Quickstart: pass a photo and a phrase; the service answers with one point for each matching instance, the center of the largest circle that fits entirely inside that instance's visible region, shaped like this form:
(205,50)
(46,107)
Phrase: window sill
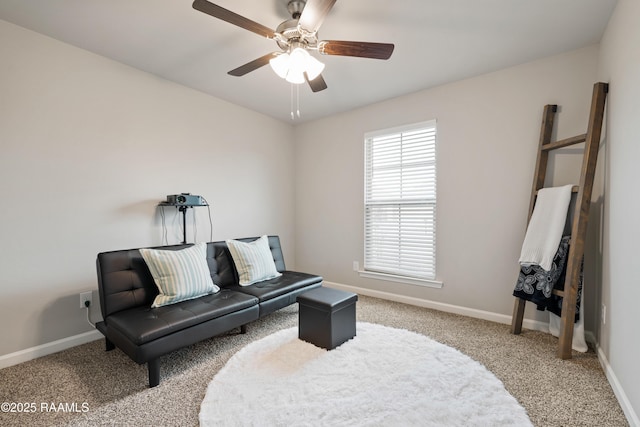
(401,279)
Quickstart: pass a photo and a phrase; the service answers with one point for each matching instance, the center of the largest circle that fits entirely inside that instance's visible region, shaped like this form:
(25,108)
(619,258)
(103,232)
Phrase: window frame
(370,202)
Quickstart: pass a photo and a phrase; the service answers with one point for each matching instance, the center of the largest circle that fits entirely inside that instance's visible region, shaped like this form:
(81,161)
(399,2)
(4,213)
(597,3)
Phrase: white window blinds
(400,201)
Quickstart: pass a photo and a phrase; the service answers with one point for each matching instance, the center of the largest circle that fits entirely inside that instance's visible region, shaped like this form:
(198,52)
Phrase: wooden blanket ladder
(580,214)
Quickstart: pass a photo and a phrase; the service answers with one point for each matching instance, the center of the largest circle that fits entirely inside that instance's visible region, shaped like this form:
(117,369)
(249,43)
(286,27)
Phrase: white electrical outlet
(86,296)
(356,266)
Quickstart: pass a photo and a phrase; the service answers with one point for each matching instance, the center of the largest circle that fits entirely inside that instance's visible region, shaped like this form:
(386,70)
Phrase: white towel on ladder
(545,227)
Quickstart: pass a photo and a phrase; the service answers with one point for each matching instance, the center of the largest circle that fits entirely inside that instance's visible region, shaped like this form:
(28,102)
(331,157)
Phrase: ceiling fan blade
(232,18)
(253,65)
(359,49)
(316,84)
(314,13)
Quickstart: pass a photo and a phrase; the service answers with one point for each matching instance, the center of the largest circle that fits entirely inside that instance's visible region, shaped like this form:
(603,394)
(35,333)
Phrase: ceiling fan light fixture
(297,66)
(292,67)
(298,60)
(296,77)
(314,67)
(280,65)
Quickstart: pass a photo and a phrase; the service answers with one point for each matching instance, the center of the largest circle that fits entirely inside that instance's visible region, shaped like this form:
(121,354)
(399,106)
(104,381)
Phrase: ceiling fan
(296,37)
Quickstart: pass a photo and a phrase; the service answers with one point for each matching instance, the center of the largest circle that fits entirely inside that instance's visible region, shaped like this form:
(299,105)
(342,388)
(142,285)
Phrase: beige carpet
(381,377)
(113,389)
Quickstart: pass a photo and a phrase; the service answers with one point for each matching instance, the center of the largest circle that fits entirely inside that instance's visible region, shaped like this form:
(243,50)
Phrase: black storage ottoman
(327,317)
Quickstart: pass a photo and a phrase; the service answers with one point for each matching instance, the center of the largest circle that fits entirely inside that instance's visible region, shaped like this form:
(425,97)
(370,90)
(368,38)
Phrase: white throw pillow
(179,275)
(253,260)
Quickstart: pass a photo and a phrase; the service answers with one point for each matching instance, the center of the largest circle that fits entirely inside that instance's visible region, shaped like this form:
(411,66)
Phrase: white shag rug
(382,377)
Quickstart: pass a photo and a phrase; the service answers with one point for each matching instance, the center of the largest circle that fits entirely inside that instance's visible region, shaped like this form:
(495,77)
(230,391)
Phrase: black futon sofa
(127,290)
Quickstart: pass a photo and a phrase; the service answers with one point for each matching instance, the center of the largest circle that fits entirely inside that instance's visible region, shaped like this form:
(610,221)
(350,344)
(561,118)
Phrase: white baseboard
(632,417)
(48,348)
(625,404)
(448,308)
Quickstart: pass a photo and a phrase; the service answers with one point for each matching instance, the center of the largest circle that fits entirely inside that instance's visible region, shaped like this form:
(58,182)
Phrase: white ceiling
(436,41)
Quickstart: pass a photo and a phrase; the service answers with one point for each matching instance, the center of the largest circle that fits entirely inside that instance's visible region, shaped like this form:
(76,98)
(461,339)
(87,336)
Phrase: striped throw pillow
(179,275)
(253,260)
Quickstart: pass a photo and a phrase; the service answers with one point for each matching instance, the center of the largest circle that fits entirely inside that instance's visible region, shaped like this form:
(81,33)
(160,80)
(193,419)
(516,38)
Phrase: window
(400,202)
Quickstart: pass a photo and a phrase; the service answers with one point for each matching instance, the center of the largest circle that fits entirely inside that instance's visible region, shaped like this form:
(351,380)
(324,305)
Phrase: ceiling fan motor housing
(291,33)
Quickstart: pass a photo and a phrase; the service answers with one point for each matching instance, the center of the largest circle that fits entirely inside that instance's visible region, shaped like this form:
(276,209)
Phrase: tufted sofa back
(124,280)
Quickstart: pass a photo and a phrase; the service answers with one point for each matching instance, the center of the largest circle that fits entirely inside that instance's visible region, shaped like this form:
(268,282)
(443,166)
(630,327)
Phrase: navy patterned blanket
(536,284)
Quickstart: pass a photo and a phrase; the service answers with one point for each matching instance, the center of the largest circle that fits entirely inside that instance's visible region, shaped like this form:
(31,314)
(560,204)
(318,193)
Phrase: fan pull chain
(297,113)
(291,101)
(298,100)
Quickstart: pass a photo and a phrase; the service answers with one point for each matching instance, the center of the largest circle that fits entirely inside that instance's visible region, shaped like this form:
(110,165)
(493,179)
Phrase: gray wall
(618,335)
(488,131)
(88,148)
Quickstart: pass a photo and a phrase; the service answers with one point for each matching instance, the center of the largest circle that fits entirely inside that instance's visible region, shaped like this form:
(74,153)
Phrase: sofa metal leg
(108,345)
(154,372)
(243,329)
